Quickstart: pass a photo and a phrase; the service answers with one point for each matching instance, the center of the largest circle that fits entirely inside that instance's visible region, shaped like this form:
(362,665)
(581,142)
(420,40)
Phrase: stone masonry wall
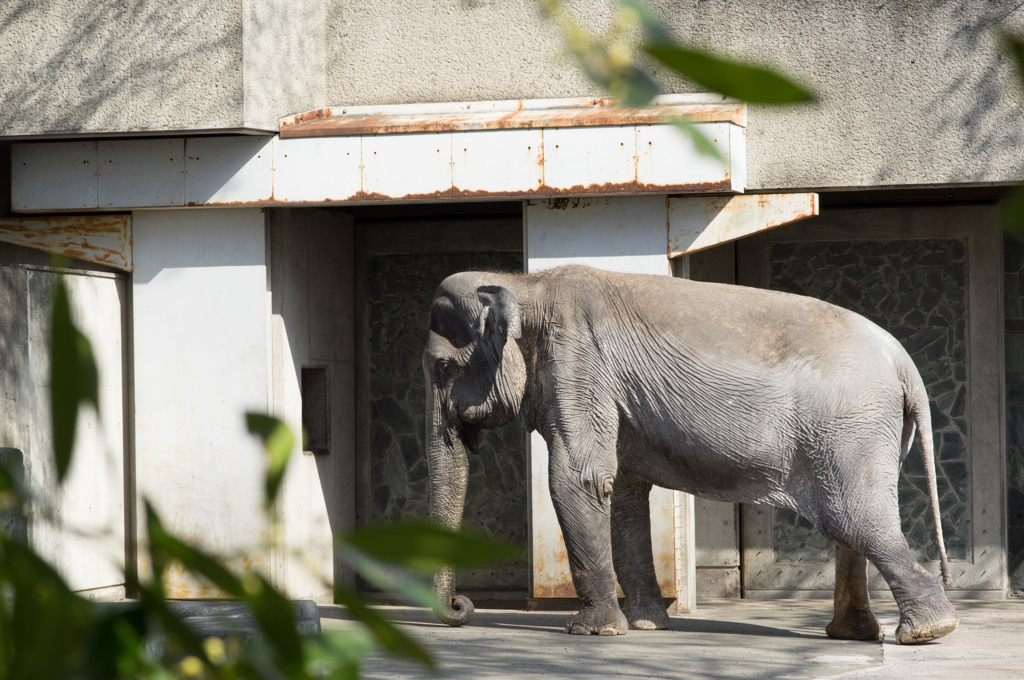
(401,290)
(1013,290)
(915,290)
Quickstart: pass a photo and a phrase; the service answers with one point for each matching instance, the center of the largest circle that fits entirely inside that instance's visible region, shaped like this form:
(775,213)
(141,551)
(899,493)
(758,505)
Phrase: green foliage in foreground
(1013,210)
(609,61)
(47,631)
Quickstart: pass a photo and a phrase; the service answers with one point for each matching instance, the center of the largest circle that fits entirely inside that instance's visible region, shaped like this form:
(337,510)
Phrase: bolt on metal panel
(229,171)
(507,162)
(337,163)
(54,176)
(143,173)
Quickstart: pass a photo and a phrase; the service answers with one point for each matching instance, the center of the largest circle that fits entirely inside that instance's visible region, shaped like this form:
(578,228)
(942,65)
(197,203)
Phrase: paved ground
(726,639)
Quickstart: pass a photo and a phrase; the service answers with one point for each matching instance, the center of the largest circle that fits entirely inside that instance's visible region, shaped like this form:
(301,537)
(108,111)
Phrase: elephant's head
(475,379)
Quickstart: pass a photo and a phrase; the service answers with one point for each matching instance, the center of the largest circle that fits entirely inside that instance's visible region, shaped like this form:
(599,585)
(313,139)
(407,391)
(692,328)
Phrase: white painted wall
(86,543)
(201,360)
(624,234)
(77,526)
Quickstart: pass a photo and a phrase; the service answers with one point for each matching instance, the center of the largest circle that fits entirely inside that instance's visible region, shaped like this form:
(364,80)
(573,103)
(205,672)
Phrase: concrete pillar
(716,525)
(201,328)
(313,340)
(625,234)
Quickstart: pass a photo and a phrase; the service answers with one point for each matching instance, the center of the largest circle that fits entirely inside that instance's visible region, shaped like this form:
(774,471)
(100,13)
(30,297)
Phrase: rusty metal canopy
(416,153)
(508,115)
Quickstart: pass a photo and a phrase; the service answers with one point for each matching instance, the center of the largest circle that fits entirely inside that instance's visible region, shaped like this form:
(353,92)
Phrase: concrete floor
(726,639)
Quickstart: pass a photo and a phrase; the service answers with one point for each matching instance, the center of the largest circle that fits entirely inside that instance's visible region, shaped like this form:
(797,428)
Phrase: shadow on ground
(765,643)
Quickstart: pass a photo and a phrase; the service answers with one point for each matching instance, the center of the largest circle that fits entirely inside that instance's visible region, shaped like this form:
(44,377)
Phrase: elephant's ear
(499,318)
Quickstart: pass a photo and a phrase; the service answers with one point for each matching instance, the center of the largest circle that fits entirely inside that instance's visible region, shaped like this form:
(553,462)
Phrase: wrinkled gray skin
(730,393)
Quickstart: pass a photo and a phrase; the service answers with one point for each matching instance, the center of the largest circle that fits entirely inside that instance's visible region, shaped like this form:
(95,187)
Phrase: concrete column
(201,327)
(311,264)
(716,526)
(625,234)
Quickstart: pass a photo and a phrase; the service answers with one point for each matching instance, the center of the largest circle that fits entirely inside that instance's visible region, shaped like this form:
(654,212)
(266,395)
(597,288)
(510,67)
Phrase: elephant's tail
(917,415)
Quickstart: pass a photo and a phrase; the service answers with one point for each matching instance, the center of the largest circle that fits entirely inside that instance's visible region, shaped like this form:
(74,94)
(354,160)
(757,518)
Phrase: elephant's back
(760,328)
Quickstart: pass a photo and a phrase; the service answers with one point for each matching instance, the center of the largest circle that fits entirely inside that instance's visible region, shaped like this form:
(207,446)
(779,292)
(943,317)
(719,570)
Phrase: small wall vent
(316,410)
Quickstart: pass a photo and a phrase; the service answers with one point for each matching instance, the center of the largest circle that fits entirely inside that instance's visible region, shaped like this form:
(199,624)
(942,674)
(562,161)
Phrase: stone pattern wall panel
(401,290)
(916,291)
(1013,290)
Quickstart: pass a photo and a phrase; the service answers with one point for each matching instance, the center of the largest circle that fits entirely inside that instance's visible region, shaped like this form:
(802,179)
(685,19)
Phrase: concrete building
(259,199)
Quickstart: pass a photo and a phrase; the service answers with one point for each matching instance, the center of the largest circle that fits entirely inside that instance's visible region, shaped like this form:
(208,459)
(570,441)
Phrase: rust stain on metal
(599,112)
(455,193)
(543,191)
(100,239)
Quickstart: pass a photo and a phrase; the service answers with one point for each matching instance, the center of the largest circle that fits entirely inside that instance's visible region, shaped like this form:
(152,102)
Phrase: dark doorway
(399,265)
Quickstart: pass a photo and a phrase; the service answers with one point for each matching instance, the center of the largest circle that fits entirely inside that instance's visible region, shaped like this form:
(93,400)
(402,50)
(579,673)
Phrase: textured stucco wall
(68,66)
(71,66)
(285,59)
(912,92)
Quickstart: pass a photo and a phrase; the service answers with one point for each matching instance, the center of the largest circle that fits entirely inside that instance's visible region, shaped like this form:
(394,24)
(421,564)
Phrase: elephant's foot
(913,633)
(646,615)
(854,624)
(600,620)
(925,623)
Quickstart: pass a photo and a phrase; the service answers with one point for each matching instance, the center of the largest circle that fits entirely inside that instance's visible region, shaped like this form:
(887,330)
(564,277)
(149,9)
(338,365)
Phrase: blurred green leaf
(273,612)
(427,547)
(165,547)
(1013,213)
(732,79)
(115,645)
(608,65)
(1015,46)
(700,142)
(387,577)
(13,491)
(336,654)
(631,86)
(652,25)
(393,639)
(162,548)
(1013,209)
(155,605)
(49,623)
(73,377)
(278,442)
(276,618)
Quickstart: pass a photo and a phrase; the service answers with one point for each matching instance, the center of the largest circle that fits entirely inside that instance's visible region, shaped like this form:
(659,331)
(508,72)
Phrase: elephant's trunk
(449,470)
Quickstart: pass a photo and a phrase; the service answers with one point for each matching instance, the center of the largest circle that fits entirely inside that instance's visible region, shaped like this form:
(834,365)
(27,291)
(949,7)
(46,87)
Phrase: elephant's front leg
(633,556)
(581,489)
(853,618)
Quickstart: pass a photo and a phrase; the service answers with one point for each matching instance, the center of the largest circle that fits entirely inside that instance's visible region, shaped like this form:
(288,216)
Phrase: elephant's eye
(445,370)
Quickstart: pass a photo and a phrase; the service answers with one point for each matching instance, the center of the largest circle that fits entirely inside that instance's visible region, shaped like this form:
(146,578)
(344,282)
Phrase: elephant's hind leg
(633,556)
(870,524)
(853,618)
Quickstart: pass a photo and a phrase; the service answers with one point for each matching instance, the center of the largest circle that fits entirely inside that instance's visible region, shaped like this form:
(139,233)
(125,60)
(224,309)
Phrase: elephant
(726,392)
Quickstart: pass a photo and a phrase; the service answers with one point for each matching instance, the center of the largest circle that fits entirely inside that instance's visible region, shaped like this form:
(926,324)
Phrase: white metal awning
(366,155)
